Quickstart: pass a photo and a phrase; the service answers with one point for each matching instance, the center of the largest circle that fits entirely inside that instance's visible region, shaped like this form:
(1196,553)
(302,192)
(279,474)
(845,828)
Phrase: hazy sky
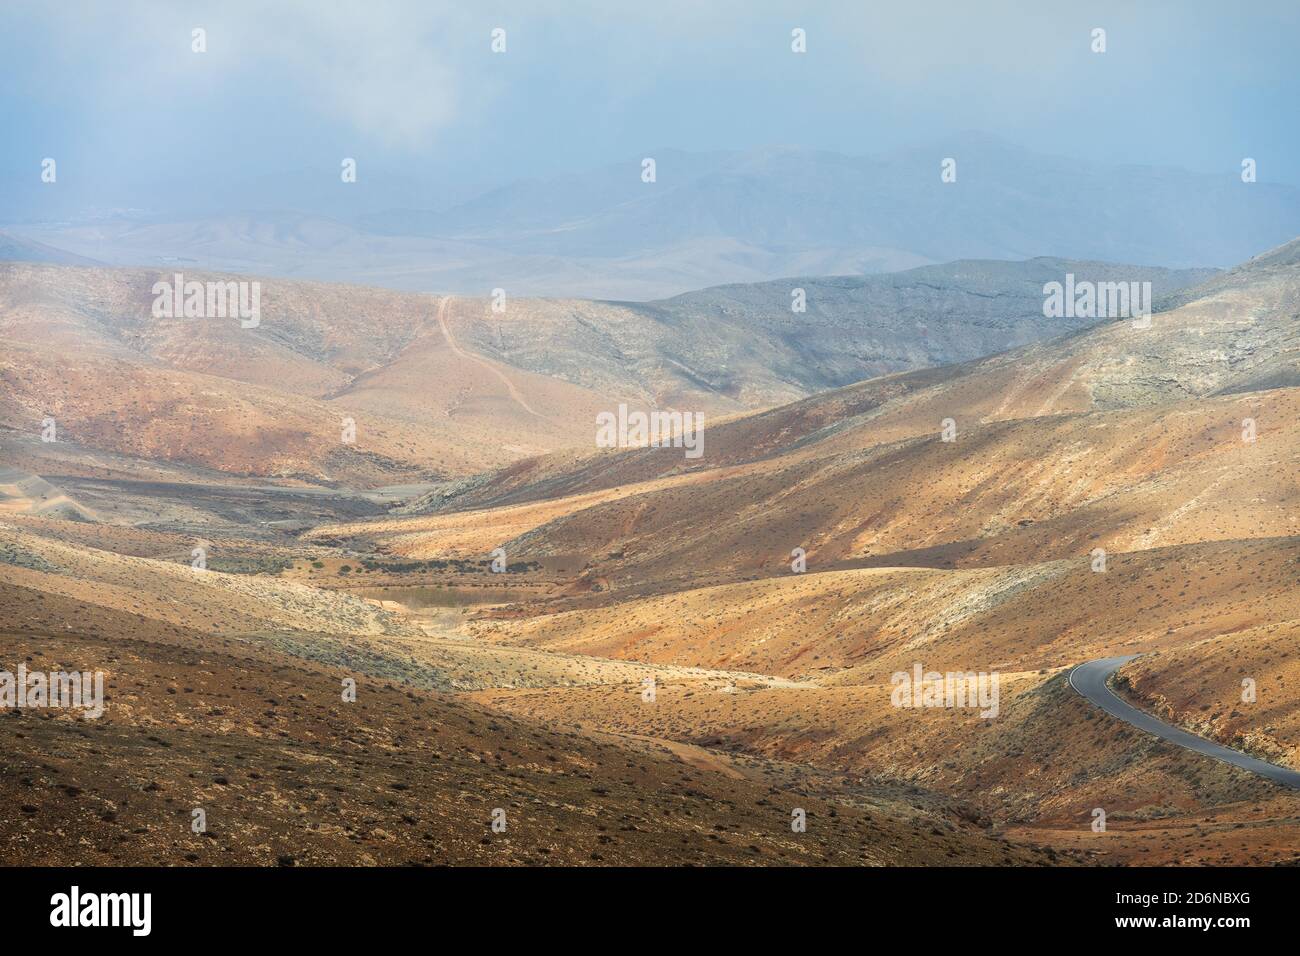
(412,90)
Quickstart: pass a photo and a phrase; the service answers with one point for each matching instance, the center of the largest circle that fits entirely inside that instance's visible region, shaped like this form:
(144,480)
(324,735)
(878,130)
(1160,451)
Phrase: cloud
(388,70)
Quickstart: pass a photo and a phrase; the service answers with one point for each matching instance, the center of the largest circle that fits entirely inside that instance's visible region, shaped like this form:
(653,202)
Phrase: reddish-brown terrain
(651,677)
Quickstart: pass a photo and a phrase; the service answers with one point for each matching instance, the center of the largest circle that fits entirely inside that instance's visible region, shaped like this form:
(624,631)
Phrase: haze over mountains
(678,434)
(709,218)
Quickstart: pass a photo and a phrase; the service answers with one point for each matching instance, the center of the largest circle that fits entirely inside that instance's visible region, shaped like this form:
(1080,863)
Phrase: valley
(635,655)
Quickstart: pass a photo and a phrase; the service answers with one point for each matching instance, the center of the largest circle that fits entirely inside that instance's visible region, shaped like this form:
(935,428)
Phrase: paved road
(1090,680)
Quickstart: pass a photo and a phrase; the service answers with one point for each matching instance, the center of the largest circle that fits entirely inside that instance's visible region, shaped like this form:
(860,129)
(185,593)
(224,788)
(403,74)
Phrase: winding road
(1090,680)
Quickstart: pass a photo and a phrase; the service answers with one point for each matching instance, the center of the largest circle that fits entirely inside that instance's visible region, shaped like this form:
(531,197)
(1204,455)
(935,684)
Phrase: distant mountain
(307,246)
(745,344)
(1006,203)
(1234,336)
(710,218)
(16,249)
(855,327)
(444,386)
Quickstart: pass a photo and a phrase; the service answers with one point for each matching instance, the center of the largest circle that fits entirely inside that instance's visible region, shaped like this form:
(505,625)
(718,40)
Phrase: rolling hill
(443,387)
(1120,489)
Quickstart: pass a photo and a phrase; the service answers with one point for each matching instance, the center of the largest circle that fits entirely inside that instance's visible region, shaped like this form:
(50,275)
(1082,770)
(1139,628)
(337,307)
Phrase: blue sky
(413,91)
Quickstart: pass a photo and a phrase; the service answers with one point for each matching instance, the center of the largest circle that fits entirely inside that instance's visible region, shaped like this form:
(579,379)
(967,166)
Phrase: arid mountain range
(443,387)
(640,656)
